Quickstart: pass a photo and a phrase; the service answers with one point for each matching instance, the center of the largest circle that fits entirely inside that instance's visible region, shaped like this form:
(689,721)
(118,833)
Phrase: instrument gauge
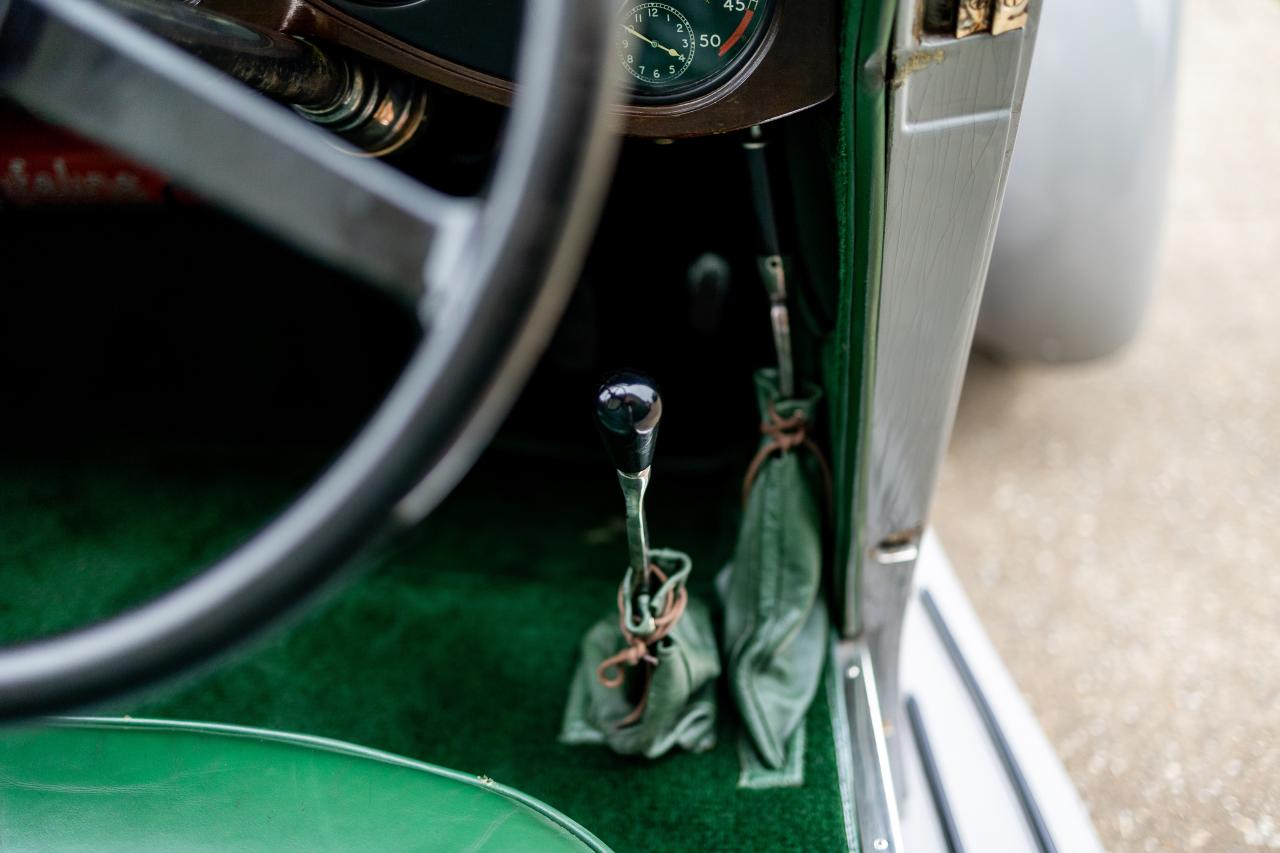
(677,49)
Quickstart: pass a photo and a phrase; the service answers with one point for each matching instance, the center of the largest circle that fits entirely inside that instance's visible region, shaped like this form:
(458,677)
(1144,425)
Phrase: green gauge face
(677,49)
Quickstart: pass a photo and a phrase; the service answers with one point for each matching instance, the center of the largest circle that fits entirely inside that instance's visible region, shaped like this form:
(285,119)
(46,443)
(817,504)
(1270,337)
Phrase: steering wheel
(488,278)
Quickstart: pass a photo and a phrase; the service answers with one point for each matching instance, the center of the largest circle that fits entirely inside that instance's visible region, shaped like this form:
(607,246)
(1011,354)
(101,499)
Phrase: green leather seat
(145,785)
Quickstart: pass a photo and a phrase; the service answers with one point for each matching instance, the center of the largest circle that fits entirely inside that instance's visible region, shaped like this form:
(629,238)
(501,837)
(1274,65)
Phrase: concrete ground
(1117,523)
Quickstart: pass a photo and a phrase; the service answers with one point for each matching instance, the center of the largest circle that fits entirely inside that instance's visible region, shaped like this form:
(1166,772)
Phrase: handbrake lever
(769,263)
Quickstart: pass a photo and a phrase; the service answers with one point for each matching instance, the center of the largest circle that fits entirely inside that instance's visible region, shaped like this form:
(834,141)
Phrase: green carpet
(455,647)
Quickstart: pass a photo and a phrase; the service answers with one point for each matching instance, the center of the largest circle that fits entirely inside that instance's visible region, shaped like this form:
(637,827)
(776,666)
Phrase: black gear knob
(628,408)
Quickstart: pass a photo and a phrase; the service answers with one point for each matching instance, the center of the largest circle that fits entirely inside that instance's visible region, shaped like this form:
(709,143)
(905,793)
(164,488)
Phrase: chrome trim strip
(843,744)
(879,828)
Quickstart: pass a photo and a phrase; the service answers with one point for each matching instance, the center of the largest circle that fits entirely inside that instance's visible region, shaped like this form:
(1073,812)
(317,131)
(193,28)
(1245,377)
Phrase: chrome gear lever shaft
(628,409)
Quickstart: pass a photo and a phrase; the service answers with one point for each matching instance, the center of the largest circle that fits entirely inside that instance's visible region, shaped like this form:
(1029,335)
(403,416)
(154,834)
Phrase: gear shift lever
(628,409)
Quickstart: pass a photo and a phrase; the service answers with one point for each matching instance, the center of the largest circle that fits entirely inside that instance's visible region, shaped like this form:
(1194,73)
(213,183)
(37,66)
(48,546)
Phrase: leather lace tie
(641,648)
(785,435)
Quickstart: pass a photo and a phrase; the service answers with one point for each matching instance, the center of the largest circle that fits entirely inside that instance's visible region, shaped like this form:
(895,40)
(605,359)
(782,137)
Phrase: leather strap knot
(640,649)
(785,435)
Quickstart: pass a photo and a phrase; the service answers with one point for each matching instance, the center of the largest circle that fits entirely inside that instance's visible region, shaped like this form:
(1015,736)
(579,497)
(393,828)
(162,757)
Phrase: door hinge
(963,18)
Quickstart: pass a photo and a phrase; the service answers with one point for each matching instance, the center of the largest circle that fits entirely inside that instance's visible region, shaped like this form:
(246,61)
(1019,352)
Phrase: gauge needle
(651,42)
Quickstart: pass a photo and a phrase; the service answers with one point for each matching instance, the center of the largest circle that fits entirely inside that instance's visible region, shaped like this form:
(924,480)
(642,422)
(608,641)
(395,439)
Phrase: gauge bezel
(700,88)
(794,68)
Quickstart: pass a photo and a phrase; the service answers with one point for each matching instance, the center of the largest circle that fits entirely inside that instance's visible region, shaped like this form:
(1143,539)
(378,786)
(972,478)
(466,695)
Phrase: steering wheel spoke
(80,64)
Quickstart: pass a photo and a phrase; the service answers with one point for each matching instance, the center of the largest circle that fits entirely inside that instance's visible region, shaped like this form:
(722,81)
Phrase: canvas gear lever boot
(775,621)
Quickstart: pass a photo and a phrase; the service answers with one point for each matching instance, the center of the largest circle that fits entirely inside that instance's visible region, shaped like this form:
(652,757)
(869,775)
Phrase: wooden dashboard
(794,67)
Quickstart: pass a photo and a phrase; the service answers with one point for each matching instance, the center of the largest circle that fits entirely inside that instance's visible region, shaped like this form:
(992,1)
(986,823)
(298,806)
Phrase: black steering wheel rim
(492,297)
